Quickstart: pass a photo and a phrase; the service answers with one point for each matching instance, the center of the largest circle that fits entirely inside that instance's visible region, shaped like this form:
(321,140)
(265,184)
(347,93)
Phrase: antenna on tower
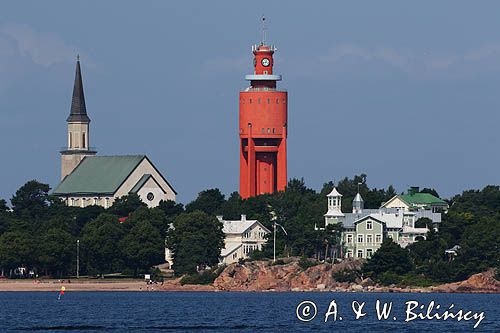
(263,42)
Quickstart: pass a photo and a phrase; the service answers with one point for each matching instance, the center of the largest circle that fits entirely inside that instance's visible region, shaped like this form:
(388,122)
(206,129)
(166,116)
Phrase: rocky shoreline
(289,276)
(263,276)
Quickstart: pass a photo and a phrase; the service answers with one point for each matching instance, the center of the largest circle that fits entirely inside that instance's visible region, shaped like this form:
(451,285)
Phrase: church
(88,179)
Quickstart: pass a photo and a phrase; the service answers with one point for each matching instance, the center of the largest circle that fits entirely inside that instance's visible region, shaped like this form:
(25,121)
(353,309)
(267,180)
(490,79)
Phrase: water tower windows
(273,130)
(277,100)
(268,130)
(268,101)
(70,138)
(263,130)
(250,101)
(258,101)
(83,140)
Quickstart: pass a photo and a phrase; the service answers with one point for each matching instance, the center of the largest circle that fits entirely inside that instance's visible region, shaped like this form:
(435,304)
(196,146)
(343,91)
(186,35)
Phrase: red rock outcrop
(263,275)
(478,283)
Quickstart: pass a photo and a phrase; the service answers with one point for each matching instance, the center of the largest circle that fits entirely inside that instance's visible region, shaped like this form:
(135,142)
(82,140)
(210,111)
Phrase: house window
(106,203)
(268,131)
(263,130)
(359,254)
(369,225)
(349,253)
(369,239)
(349,239)
(360,238)
(273,130)
(378,238)
(369,253)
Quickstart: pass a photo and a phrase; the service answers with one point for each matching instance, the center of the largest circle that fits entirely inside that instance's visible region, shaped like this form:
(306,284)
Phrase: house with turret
(364,230)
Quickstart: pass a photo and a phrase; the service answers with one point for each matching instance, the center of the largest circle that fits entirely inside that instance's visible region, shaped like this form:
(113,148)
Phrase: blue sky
(406,92)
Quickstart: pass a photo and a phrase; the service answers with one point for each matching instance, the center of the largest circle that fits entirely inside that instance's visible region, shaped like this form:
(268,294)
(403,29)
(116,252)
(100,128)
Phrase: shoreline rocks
(264,276)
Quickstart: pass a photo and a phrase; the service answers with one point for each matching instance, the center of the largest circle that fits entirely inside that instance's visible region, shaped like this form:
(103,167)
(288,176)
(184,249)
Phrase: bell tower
(78,129)
(263,128)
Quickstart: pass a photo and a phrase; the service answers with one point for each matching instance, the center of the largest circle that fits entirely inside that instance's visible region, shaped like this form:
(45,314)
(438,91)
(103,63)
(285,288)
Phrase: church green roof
(101,175)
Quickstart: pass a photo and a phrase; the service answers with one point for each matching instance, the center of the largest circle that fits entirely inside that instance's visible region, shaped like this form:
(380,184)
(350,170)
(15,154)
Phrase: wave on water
(62,328)
(156,328)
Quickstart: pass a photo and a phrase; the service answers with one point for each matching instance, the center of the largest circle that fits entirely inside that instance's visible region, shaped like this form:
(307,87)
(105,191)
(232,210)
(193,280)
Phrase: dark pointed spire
(78,110)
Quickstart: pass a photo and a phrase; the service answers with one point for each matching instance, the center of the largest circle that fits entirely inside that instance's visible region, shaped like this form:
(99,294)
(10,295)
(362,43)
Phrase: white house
(242,237)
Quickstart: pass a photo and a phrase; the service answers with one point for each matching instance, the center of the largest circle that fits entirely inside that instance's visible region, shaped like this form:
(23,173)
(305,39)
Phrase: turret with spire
(78,128)
(357,204)
(334,213)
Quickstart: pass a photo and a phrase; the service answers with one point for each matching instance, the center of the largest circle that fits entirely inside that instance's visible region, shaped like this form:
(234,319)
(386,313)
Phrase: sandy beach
(74,285)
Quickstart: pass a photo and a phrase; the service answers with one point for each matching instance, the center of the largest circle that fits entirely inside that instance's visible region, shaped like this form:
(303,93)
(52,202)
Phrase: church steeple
(78,129)
(78,109)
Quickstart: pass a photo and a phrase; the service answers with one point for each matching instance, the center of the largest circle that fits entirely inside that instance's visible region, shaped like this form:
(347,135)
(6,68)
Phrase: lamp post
(77,258)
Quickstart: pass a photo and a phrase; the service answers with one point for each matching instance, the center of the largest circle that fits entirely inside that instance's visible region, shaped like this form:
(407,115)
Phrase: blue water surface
(229,312)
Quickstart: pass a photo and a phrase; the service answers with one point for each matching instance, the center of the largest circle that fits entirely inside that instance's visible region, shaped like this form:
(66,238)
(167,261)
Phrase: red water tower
(263,128)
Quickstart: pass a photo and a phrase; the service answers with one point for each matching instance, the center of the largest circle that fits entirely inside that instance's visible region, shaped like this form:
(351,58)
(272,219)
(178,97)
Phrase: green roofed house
(415,200)
(88,179)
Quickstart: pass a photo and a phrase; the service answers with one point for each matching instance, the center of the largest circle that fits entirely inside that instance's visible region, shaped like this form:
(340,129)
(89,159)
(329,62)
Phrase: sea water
(245,312)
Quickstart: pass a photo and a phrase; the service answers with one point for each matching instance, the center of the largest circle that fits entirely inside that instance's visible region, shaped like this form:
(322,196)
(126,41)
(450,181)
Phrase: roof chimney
(243,218)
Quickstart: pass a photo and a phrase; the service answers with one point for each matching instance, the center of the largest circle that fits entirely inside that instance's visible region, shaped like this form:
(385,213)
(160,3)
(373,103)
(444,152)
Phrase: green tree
(3,206)
(196,240)
(56,251)
(100,245)
(31,200)
(16,250)
(390,258)
(424,222)
(170,208)
(143,247)
(126,204)
(480,247)
(154,216)
(208,201)
(231,209)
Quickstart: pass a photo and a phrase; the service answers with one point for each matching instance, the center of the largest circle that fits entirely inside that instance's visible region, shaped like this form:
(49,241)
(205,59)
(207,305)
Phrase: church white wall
(145,168)
(151,187)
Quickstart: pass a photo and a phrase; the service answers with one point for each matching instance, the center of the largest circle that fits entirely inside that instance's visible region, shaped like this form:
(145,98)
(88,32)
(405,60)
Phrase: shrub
(204,277)
(347,275)
(305,263)
(278,262)
(388,278)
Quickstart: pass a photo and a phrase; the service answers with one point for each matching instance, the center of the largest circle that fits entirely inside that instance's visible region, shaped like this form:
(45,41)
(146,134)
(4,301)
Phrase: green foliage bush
(278,262)
(204,277)
(346,275)
(305,263)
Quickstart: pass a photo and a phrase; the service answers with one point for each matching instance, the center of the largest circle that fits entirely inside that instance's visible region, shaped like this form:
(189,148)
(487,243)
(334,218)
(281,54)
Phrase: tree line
(40,232)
